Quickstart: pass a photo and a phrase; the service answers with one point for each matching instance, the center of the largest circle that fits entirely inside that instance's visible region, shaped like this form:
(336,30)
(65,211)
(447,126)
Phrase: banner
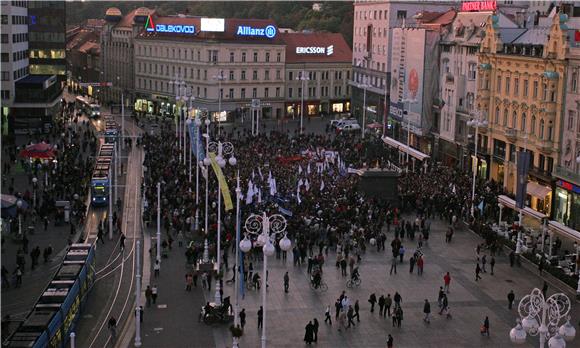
(196,146)
(223,184)
(523,159)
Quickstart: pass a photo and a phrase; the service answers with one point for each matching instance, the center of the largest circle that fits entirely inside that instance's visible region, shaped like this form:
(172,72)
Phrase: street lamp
(219,78)
(237,273)
(540,316)
(302,77)
(206,163)
(177,84)
(476,122)
(225,148)
(270,226)
(198,163)
(364,86)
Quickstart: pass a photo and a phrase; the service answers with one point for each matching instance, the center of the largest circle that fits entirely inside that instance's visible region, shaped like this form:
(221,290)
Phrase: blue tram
(100,181)
(57,311)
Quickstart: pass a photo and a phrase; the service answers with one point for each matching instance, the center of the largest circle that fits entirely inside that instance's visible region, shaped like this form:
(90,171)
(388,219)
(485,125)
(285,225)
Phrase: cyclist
(113,327)
(256,281)
(316,278)
(354,276)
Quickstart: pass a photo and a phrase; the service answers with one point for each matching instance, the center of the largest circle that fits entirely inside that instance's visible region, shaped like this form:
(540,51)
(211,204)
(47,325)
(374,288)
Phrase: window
(523,122)
(526,88)
(277,91)
(571,116)
(533,125)
(255,57)
(498,87)
(267,75)
(243,57)
(401,14)
(277,74)
(5,57)
(550,166)
(4,38)
(472,71)
(205,92)
(299,92)
(497,115)
(243,75)
(232,56)
(517,87)
(535,92)
(243,93)
(5,94)
(255,75)
(205,75)
(231,75)
(512,153)
(446,65)
(290,75)
(4,19)
(254,93)
(231,94)
(505,117)
(541,129)
(5,76)
(550,128)
(290,93)
(541,163)
(515,120)
(507,85)
(267,57)
(544,91)
(574,82)
(266,92)
(278,57)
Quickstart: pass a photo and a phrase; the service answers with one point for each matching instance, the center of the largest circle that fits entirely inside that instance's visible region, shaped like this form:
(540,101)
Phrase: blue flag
(284,211)
(196,146)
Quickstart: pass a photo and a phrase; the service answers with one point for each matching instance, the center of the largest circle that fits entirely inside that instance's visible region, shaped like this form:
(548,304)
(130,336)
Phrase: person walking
(511,297)
(154,294)
(350,316)
(327,317)
(122,242)
(356,311)
(393,265)
(388,303)
(148,295)
(399,315)
(398,299)
(444,304)
(483,263)
(156,269)
(446,281)
(112,325)
(242,316)
(477,272)
(427,311)
(315,326)
(337,308)
(372,301)
(286,282)
(390,341)
(18,273)
(485,327)
(260,317)
(545,289)
(512,258)
(188,281)
(381,305)
(492,264)
(309,333)
(420,265)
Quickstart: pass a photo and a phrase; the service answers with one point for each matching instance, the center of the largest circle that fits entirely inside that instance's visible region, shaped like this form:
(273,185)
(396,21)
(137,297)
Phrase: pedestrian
(398,312)
(381,305)
(154,294)
(541,266)
(148,295)
(243,318)
(156,269)
(420,265)
(492,264)
(18,273)
(327,317)
(122,243)
(356,311)
(545,289)
(315,326)
(398,299)
(511,297)
(195,276)
(512,257)
(372,301)
(477,272)
(260,317)
(388,303)
(286,282)
(188,281)
(309,333)
(401,253)
(447,281)
(350,316)
(444,304)
(440,297)
(483,263)
(427,311)
(337,308)
(412,264)
(485,327)
(390,341)
(393,265)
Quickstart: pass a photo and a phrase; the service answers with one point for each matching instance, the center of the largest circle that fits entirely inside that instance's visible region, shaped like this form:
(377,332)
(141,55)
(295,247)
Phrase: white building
(14,47)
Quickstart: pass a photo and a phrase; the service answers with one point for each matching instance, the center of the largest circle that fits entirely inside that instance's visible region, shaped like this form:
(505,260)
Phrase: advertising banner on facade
(523,168)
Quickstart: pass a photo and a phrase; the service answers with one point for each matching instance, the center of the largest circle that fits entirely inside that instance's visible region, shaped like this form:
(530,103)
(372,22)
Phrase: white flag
(298,196)
(260,173)
(308,168)
(299,169)
(307,185)
(300,183)
(259,195)
(250,195)
(253,175)
(269,176)
(321,185)
(272,184)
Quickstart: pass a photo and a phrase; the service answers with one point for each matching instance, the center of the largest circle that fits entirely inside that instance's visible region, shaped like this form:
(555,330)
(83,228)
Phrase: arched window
(515,120)
(533,125)
(550,128)
(497,115)
(541,129)
(524,122)
(505,117)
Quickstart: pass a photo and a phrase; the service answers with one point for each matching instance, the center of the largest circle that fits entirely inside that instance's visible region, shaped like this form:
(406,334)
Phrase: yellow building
(521,92)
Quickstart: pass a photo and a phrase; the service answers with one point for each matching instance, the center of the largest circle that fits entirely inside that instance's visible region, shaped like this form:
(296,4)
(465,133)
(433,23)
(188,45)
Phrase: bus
(92,110)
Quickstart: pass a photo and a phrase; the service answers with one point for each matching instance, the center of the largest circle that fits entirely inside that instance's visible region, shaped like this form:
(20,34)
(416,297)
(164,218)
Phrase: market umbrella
(9,207)
(40,150)
(374,125)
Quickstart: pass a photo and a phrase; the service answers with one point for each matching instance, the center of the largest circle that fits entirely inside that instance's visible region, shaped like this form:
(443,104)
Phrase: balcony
(545,146)
(549,107)
(566,174)
(511,134)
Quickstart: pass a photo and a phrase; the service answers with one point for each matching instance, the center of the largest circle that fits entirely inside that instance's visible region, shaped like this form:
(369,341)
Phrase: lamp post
(541,316)
(198,162)
(159,223)
(237,262)
(364,86)
(476,122)
(219,79)
(177,85)
(270,226)
(138,296)
(225,148)
(206,163)
(34,186)
(408,101)
(302,77)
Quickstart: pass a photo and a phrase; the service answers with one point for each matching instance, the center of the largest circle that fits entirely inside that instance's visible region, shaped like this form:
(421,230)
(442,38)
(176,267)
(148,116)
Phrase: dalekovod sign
(246,30)
(168,28)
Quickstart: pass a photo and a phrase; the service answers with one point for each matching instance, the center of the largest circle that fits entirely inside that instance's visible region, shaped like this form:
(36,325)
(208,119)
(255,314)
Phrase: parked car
(348,127)
(342,122)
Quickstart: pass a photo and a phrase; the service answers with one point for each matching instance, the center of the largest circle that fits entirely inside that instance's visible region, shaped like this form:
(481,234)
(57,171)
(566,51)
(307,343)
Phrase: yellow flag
(224,185)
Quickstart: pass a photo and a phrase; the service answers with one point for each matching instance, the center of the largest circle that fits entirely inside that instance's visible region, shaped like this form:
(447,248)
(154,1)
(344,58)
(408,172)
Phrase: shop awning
(537,190)
(510,203)
(564,230)
(404,148)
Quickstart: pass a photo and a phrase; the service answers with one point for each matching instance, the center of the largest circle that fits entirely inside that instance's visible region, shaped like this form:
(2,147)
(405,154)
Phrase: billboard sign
(269,31)
(216,25)
(152,27)
(474,6)
(315,50)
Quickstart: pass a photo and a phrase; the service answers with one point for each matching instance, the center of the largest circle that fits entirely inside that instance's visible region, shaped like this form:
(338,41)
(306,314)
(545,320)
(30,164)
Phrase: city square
(276,174)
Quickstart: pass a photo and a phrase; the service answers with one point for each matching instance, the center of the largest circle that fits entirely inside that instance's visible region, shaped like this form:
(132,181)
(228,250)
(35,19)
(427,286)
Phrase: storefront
(539,196)
(338,107)
(567,204)
(313,108)
(156,106)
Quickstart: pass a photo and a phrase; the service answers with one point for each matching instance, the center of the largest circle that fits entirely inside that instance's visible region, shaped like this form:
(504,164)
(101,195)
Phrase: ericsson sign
(315,50)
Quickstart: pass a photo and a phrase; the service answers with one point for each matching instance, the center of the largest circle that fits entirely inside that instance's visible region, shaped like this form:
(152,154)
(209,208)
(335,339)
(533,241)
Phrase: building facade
(47,38)
(318,65)
(521,89)
(14,50)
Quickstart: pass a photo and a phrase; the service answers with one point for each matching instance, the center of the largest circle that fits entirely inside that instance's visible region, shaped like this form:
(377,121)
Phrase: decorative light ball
(262,239)
(556,342)
(518,334)
(34,180)
(567,331)
(207,121)
(285,243)
(530,324)
(245,245)
(221,162)
(19,203)
(197,122)
(206,161)
(269,249)
(76,196)
(373,241)
(233,161)
(218,158)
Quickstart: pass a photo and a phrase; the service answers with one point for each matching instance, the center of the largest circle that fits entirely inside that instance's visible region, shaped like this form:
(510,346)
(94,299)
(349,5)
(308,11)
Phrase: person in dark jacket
(427,311)
(511,297)
(309,334)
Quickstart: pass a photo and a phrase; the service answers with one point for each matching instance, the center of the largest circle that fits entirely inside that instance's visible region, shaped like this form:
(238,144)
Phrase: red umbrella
(40,150)
(375,125)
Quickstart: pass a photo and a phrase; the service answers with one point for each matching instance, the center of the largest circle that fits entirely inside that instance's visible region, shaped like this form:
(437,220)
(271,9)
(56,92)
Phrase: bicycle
(252,285)
(322,286)
(353,282)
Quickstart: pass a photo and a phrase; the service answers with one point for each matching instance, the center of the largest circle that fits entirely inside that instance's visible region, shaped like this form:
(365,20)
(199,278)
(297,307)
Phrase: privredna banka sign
(479,6)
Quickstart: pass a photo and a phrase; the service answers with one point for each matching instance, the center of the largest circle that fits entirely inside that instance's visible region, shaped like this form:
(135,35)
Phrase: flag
(284,211)
(300,183)
(269,176)
(196,142)
(480,206)
(272,183)
(308,168)
(307,185)
(321,185)
(250,194)
(259,195)
(298,195)
(240,261)
(260,173)
(299,169)
(523,166)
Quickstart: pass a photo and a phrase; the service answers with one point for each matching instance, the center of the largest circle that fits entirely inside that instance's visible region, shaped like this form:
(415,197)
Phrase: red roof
(341,52)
